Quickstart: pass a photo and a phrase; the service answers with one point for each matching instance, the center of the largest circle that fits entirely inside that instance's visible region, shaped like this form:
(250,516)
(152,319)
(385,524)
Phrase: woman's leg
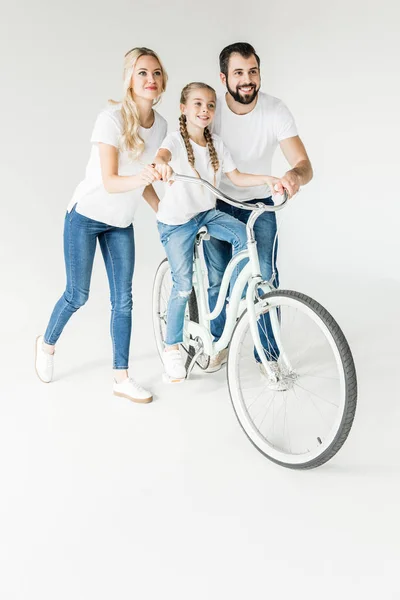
(118,248)
(79,251)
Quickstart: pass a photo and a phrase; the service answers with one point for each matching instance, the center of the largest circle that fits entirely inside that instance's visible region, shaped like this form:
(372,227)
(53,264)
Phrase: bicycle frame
(250,275)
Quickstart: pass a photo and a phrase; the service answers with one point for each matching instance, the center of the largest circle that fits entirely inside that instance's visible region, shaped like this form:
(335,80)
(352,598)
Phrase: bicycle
(296,407)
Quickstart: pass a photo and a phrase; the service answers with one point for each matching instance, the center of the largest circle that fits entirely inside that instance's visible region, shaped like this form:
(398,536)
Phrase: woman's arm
(115,183)
(249,180)
(149,194)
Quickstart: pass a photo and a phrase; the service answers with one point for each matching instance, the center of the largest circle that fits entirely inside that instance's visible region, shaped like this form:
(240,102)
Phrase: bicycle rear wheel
(301,420)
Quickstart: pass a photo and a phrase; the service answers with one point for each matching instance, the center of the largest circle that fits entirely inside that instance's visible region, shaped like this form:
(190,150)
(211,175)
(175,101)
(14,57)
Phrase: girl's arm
(149,194)
(248,180)
(161,161)
(115,183)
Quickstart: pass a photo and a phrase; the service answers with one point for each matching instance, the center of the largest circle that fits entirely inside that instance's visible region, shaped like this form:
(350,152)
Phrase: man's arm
(301,171)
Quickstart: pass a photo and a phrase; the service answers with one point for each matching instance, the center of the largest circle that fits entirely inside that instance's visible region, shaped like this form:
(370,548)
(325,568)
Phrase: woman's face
(147,78)
(200,107)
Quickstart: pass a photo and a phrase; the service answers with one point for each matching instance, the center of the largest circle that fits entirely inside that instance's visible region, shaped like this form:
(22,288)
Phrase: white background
(105,499)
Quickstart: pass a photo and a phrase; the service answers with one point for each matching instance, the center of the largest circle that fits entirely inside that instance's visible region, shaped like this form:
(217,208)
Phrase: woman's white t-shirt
(90,196)
(183,201)
(252,140)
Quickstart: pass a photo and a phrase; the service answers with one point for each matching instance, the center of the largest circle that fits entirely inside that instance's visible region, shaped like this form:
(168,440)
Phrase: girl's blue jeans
(178,241)
(118,249)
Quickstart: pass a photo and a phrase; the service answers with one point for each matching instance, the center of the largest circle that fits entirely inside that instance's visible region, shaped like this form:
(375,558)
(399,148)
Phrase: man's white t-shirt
(183,201)
(252,140)
(91,197)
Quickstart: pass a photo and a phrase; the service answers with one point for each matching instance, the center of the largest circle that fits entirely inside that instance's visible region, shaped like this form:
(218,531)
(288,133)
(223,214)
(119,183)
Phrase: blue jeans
(118,249)
(178,242)
(218,254)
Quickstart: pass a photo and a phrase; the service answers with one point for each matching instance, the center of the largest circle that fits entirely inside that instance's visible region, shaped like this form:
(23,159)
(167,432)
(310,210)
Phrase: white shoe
(217,361)
(44,362)
(175,371)
(280,385)
(128,388)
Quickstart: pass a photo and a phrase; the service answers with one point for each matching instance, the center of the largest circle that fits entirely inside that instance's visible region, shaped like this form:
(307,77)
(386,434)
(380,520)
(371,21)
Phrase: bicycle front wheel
(301,417)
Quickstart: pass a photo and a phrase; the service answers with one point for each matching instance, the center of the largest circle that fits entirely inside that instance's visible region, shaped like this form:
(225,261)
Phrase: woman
(126,136)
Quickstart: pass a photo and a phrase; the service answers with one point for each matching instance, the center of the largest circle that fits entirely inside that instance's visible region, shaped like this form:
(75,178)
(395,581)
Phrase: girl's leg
(118,248)
(226,228)
(178,242)
(79,250)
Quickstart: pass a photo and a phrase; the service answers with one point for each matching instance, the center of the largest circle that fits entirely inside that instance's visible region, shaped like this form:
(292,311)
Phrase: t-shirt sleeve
(228,164)
(172,144)
(106,130)
(285,123)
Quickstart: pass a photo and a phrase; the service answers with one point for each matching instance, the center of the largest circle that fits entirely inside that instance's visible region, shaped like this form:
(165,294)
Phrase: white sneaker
(175,371)
(217,361)
(44,362)
(280,385)
(128,388)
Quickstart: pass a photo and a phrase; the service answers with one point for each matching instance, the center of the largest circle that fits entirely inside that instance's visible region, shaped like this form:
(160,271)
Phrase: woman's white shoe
(44,362)
(128,388)
(175,371)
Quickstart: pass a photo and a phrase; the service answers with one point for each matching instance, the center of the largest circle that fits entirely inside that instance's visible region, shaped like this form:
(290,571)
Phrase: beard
(241,97)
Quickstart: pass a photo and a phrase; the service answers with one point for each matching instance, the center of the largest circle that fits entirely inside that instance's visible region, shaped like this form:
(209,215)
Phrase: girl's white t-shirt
(183,201)
(252,140)
(90,196)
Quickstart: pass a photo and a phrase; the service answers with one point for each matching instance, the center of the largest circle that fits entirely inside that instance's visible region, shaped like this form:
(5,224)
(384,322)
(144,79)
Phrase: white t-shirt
(91,197)
(183,201)
(252,140)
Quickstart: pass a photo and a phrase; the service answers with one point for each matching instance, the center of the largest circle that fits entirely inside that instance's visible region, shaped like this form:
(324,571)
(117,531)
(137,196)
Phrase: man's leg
(265,229)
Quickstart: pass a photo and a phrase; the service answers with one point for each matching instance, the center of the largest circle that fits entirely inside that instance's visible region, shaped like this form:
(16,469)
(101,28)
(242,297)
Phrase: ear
(182,108)
(223,79)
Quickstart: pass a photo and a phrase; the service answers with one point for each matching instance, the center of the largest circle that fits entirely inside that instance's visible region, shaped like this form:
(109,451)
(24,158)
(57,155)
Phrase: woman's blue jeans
(178,242)
(118,248)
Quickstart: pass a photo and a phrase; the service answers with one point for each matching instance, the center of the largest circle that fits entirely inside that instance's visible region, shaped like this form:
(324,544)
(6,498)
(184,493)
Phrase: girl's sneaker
(44,362)
(132,390)
(175,371)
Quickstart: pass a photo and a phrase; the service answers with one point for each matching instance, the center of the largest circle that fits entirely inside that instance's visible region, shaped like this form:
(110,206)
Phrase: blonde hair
(196,85)
(130,139)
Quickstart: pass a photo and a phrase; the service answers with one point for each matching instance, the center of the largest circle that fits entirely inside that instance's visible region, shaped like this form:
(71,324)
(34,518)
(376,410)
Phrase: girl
(126,136)
(187,207)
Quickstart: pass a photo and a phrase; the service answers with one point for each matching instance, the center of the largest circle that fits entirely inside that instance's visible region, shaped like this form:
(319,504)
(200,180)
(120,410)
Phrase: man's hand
(290,182)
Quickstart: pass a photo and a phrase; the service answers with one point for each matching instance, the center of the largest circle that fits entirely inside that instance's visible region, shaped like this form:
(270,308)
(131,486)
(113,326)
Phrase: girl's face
(147,78)
(200,107)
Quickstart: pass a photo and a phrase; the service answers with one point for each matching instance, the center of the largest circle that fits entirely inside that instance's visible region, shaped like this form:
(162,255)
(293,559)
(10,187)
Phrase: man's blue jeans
(218,254)
(118,249)
(178,242)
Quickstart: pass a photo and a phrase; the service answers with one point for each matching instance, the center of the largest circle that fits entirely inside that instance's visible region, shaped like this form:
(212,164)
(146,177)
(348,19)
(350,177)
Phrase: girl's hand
(165,172)
(148,175)
(274,184)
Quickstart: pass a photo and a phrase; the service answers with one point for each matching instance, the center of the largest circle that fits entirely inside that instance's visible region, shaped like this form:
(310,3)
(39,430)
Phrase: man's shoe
(132,390)
(217,361)
(44,362)
(175,371)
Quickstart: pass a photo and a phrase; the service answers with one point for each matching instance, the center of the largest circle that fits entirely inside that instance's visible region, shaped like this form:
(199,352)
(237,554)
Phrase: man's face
(243,80)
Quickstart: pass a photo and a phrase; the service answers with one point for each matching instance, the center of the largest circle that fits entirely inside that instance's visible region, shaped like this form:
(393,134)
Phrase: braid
(185,136)
(212,151)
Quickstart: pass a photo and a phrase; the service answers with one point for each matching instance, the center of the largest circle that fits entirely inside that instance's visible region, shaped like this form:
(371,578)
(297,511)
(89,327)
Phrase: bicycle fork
(252,292)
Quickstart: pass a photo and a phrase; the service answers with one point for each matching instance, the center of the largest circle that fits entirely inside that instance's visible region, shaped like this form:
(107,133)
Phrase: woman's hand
(165,172)
(148,175)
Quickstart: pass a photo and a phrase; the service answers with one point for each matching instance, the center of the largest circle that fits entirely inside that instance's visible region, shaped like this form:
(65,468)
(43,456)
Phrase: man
(251,124)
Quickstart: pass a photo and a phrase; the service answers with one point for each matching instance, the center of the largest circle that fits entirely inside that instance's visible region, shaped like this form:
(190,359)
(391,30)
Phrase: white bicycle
(296,405)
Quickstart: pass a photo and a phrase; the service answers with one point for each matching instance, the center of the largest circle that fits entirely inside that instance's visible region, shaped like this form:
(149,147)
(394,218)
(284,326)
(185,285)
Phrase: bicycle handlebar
(228,199)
